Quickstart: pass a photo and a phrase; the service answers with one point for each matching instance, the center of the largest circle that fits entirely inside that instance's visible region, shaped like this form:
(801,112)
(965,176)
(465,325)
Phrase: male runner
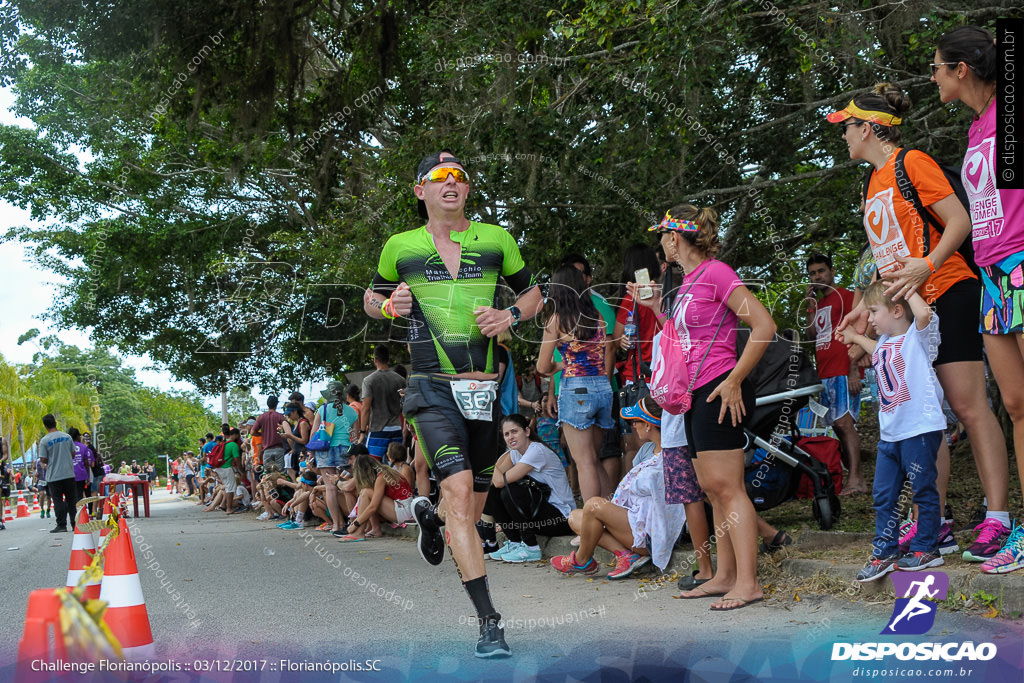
(443,278)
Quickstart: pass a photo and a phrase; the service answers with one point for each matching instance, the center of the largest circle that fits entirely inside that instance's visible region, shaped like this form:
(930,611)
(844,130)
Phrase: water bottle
(630,331)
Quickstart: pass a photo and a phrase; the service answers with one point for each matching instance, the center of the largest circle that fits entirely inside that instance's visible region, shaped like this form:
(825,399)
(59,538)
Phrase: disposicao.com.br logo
(914,614)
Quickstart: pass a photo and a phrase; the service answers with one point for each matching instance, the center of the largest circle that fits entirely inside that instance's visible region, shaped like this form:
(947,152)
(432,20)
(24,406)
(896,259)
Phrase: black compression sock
(480,593)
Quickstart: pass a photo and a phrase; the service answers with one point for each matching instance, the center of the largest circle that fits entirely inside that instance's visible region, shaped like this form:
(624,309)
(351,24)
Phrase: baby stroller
(784,380)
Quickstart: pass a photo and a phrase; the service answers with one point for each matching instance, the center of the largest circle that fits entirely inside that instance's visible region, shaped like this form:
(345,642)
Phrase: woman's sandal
(781,540)
(703,594)
(689,583)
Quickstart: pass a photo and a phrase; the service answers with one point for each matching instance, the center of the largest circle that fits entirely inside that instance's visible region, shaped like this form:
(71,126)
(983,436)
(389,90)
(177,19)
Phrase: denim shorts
(586,401)
(335,456)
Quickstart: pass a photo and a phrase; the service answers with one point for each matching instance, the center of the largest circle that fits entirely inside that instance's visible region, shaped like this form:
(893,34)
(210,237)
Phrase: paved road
(221,588)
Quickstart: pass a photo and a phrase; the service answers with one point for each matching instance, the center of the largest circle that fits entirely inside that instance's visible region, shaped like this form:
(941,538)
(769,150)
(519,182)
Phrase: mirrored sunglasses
(441,173)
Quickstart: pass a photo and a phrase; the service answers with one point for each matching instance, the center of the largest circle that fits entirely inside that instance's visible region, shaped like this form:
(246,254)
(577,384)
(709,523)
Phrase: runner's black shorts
(451,443)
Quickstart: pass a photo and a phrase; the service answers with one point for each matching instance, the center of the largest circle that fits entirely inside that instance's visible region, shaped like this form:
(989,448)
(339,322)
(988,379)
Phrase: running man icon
(914,612)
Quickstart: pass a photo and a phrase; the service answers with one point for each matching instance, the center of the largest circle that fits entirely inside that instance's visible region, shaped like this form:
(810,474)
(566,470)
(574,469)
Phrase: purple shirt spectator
(83,462)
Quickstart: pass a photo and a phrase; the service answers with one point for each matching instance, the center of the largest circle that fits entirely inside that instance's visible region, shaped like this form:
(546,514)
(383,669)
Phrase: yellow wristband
(388,309)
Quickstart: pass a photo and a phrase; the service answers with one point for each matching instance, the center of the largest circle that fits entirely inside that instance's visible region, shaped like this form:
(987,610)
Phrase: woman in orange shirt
(915,260)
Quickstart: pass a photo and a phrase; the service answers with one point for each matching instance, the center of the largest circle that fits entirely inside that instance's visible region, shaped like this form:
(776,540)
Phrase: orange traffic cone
(42,627)
(169,489)
(82,550)
(22,505)
(121,589)
(107,510)
(8,512)
(35,504)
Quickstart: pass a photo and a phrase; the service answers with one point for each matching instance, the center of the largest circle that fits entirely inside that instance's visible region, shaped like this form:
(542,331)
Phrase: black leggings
(549,520)
(64,495)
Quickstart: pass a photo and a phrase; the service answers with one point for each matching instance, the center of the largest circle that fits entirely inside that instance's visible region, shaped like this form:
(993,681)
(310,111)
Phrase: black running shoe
(492,639)
(58,530)
(430,542)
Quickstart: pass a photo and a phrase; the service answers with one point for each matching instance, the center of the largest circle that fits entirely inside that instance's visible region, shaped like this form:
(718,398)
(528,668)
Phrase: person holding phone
(638,262)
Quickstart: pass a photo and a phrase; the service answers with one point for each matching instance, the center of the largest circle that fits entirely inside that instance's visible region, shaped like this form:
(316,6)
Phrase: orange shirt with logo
(894,228)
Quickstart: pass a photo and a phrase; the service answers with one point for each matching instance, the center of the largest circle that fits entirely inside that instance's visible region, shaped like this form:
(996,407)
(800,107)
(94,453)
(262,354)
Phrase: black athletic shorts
(451,443)
(703,433)
(957,309)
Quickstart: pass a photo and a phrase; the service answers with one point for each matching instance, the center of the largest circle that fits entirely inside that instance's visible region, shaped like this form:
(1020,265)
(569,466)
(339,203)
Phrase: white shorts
(227,477)
(403,510)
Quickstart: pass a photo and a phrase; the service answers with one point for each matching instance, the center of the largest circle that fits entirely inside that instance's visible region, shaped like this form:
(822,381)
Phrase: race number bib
(475,397)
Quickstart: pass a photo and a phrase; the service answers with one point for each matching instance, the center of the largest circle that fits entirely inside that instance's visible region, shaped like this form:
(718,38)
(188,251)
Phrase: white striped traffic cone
(22,505)
(8,512)
(82,550)
(107,511)
(121,589)
(35,504)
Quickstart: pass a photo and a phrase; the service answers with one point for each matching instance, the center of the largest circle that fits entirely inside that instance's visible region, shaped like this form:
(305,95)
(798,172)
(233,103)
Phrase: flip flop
(703,594)
(781,539)
(742,603)
(351,539)
(689,583)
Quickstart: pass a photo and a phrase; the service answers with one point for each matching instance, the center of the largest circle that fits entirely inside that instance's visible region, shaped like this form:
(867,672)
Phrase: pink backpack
(670,379)
(671,385)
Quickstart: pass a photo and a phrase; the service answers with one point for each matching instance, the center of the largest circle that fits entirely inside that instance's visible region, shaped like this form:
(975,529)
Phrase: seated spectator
(397,455)
(321,509)
(382,492)
(507,505)
(637,513)
(273,497)
(300,501)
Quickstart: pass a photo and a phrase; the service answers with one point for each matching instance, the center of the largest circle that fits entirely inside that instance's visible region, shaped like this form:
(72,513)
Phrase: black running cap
(429,162)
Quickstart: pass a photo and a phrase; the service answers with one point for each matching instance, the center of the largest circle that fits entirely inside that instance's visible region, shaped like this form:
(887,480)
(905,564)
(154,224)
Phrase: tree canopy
(90,390)
(216,178)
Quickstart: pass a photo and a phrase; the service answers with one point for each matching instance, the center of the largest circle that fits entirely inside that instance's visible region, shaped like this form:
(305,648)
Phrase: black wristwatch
(516,314)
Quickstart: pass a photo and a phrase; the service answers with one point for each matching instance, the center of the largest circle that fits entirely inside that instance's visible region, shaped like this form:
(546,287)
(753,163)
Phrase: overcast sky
(27,291)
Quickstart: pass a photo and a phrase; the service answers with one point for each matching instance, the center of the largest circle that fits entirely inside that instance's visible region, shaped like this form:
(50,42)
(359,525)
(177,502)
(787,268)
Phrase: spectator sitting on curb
(637,511)
(383,492)
(272,497)
(397,455)
(299,503)
(320,508)
(512,502)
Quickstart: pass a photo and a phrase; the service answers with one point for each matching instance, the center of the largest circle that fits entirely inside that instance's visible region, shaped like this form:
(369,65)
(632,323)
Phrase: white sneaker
(262,516)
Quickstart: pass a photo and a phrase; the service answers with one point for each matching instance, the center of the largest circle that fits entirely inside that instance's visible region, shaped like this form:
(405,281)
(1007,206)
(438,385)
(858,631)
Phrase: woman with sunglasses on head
(965,70)
(706,310)
(914,256)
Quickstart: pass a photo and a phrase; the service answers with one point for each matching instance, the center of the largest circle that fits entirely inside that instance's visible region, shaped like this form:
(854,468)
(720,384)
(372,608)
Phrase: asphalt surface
(234,593)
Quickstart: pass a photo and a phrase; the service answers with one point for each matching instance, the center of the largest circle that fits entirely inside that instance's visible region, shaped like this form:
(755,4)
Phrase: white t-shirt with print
(909,395)
(547,468)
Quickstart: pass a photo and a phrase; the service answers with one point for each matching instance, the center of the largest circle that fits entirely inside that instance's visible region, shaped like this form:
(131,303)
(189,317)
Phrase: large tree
(218,177)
